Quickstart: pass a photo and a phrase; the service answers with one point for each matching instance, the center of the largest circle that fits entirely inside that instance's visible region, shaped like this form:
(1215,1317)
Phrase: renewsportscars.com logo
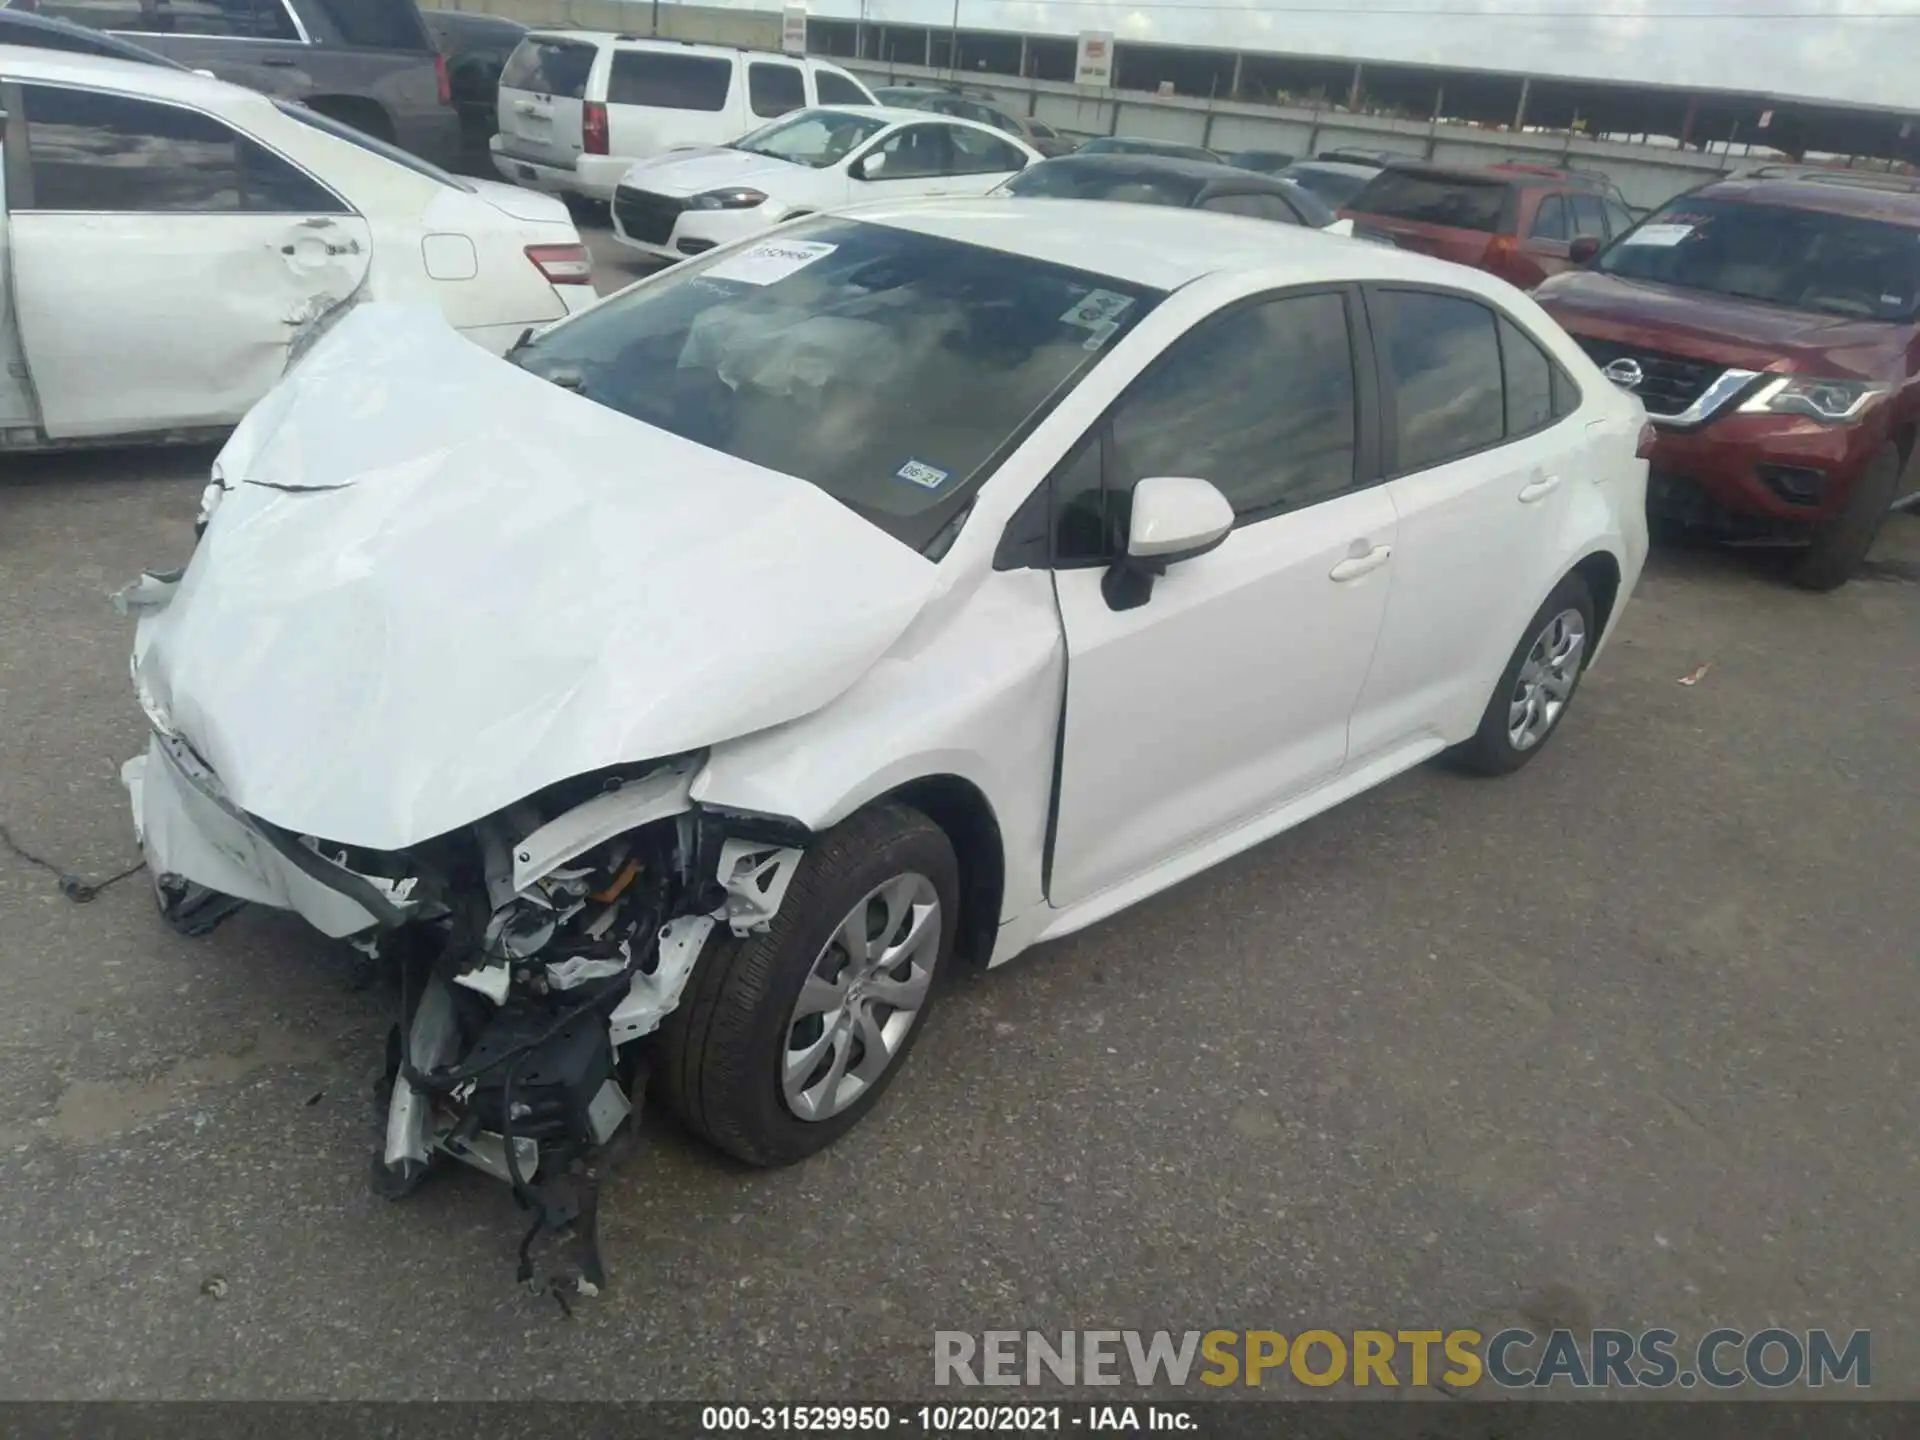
(1456,1359)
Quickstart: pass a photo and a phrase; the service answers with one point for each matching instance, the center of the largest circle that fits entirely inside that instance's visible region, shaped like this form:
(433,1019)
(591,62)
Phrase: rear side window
(774,89)
(376,24)
(836,89)
(101,153)
(550,67)
(1443,360)
(663,81)
(1550,220)
(1529,377)
(1463,202)
(242,19)
(1260,207)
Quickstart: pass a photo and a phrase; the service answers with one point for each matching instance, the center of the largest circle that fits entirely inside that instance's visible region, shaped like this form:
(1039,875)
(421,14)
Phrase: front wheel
(1841,544)
(785,1040)
(1535,689)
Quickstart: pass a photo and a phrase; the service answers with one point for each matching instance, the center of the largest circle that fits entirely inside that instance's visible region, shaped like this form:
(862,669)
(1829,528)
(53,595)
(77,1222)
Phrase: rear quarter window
(1461,202)
(549,67)
(662,81)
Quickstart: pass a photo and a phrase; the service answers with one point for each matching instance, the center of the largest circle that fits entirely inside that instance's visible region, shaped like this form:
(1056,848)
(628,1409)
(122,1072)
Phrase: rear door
(162,261)
(542,90)
(1484,460)
(660,99)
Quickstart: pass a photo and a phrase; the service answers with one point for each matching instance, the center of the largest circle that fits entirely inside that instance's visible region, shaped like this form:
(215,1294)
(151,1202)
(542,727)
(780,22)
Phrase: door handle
(1366,561)
(1538,488)
(280,64)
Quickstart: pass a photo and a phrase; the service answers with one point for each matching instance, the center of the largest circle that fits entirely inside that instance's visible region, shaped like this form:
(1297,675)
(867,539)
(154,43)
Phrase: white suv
(578,108)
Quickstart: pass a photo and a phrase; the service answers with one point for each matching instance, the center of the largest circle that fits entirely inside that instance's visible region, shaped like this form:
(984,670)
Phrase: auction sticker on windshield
(1663,235)
(770,261)
(1098,308)
(919,473)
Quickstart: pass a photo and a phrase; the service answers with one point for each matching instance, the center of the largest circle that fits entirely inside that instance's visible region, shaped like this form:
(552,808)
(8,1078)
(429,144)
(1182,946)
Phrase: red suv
(1771,325)
(1521,222)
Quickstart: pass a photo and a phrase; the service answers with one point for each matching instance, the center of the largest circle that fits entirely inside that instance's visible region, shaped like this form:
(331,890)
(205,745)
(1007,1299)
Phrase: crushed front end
(528,953)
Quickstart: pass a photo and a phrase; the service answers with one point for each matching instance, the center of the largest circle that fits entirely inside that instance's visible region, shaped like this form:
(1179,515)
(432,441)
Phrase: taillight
(1649,437)
(440,79)
(593,127)
(562,264)
(1500,250)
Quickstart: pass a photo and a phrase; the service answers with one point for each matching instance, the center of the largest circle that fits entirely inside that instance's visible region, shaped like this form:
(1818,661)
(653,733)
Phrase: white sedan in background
(170,240)
(914,586)
(820,159)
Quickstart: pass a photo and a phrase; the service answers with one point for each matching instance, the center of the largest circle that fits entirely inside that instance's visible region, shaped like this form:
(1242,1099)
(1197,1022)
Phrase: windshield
(1807,259)
(889,368)
(367,142)
(815,138)
(1333,186)
(1069,180)
(1460,202)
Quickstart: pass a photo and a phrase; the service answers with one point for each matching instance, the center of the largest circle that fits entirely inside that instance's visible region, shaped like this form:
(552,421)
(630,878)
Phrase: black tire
(1492,751)
(1843,542)
(721,1050)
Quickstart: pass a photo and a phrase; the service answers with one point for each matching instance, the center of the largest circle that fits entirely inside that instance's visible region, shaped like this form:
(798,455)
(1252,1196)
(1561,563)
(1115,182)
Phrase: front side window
(889,368)
(775,89)
(1443,359)
(1776,254)
(242,19)
(1619,220)
(1259,401)
(94,152)
(126,15)
(837,89)
(916,152)
(975,152)
(558,68)
(660,80)
(814,138)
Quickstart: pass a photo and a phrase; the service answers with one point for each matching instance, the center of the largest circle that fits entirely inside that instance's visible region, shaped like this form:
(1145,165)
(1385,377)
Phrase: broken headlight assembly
(545,941)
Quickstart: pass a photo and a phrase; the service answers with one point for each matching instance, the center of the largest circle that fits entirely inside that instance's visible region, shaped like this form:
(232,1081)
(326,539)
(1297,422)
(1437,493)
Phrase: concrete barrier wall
(1647,175)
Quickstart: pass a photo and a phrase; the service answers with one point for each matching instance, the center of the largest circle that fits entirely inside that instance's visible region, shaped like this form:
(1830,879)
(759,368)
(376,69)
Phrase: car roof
(1839,195)
(1159,246)
(131,77)
(628,41)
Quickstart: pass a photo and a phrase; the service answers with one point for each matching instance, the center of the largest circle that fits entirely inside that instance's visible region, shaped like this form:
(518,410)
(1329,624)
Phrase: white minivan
(577,108)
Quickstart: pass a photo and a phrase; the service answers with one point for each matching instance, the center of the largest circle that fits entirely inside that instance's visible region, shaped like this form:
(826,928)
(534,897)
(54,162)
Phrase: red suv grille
(1670,383)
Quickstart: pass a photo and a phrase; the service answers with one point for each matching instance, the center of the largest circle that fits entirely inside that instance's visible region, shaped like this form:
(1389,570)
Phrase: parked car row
(1770,322)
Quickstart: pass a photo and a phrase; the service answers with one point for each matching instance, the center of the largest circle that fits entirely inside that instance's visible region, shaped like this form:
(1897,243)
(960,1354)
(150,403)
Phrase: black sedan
(1185,184)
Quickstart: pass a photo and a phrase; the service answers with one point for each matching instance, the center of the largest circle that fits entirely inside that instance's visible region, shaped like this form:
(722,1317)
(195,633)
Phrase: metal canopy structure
(1672,116)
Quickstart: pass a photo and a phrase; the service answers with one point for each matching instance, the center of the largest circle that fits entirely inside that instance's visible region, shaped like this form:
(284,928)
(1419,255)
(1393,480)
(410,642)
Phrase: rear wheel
(1534,691)
(1843,542)
(785,1040)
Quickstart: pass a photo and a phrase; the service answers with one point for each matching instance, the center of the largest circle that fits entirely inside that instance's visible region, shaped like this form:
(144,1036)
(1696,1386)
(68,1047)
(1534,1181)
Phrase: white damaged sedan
(683,694)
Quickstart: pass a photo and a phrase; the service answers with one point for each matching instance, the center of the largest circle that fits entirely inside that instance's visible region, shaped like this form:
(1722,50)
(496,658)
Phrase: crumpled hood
(437,584)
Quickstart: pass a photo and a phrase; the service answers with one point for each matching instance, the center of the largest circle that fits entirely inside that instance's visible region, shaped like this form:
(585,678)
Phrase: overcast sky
(1863,50)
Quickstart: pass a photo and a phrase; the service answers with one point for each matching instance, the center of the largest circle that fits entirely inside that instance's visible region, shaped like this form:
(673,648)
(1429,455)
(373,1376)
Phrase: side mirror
(1175,518)
(1582,251)
(871,165)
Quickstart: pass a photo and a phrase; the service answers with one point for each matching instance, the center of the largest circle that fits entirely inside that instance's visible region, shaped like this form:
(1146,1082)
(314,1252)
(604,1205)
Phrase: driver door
(1228,693)
(162,261)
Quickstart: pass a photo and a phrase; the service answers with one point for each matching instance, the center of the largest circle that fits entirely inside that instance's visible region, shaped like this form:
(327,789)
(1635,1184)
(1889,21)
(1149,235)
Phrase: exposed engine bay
(529,952)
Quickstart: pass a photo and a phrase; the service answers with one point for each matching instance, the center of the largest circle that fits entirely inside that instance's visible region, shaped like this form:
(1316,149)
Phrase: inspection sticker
(1662,235)
(770,261)
(1099,307)
(916,472)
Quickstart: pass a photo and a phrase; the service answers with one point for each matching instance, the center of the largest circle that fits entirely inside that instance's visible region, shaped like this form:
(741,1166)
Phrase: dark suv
(1771,325)
(369,63)
(1521,222)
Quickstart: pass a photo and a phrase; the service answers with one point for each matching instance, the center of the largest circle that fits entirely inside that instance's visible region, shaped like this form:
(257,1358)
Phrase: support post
(1520,110)
(1356,89)
(1234,92)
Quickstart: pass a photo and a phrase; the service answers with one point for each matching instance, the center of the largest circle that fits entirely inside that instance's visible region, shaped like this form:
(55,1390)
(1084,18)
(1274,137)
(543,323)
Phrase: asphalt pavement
(1625,1039)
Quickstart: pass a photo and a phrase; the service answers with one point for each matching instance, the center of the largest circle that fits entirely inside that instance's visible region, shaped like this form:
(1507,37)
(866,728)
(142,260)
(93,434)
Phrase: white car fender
(988,662)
